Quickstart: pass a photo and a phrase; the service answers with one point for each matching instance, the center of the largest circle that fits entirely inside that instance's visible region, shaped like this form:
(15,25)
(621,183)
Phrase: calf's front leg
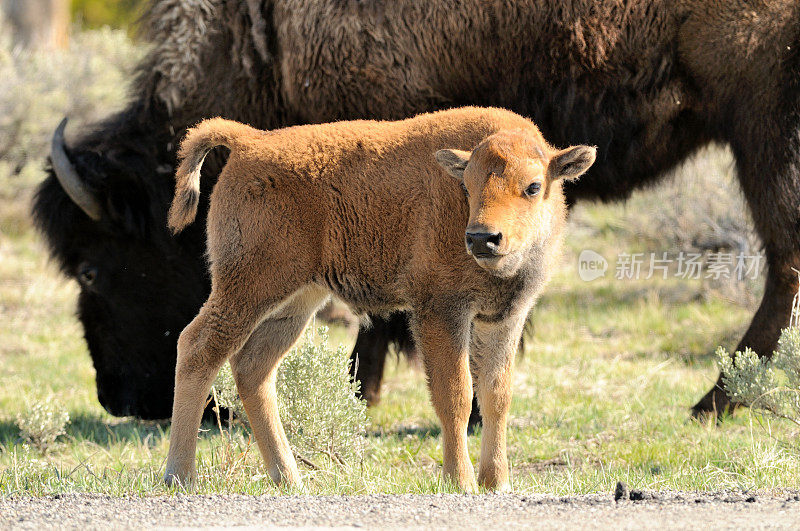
(443,339)
(493,349)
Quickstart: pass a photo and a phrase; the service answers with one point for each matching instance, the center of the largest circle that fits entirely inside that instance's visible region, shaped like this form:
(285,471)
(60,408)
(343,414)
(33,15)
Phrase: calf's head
(513,181)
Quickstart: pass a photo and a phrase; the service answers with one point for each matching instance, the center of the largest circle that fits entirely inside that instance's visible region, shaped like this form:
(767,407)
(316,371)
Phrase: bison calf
(361,210)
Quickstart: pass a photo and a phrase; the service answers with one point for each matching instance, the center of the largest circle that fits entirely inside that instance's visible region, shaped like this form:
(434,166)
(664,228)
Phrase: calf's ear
(572,162)
(453,161)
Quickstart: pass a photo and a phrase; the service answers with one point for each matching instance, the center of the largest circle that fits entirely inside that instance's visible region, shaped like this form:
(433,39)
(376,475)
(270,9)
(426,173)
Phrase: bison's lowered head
(513,184)
(102,211)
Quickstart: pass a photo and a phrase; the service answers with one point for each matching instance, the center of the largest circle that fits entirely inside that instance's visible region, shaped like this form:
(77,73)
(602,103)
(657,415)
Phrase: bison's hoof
(714,406)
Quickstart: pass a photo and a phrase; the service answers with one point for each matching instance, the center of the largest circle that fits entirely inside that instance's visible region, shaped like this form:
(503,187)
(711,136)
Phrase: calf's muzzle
(483,244)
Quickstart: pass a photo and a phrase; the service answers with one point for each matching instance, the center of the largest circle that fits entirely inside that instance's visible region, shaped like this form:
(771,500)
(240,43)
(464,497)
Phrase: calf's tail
(199,140)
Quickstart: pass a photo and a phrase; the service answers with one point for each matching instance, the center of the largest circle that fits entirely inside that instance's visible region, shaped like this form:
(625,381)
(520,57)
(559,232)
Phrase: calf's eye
(533,189)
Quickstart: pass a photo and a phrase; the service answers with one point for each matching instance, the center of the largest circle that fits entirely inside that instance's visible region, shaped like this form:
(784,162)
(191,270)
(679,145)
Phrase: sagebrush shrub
(771,386)
(226,395)
(317,400)
(42,423)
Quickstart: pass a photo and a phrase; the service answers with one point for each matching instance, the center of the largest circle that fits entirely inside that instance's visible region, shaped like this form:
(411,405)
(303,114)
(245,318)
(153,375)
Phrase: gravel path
(724,510)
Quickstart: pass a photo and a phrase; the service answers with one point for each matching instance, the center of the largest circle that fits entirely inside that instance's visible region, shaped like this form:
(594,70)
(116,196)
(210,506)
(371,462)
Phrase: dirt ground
(676,510)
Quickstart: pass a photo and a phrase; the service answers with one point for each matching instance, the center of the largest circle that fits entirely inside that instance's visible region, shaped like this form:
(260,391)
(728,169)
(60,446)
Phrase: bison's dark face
(139,286)
(135,299)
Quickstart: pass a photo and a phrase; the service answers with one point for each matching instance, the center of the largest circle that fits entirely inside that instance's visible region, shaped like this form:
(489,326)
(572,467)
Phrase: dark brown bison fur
(360,210)
(647,81)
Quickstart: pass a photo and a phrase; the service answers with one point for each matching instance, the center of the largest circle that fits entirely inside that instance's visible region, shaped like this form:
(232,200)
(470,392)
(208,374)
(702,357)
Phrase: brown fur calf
(361,210)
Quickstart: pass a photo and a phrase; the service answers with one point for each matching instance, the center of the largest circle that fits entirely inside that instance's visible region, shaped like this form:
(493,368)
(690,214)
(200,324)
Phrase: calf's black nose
(484,244)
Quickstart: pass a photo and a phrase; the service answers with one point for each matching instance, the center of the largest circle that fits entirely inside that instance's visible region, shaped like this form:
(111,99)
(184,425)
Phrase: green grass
(601,394)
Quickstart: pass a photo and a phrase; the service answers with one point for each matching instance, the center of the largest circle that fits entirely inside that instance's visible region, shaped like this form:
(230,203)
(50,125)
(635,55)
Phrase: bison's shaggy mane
(186,33)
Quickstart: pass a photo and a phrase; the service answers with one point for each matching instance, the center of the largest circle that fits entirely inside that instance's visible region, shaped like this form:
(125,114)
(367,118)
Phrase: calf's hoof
(286,477)
(494,480)
(471,487)
(495,485)
(501,487)
(175,478)
(467,487)
(292,487)
(465,482)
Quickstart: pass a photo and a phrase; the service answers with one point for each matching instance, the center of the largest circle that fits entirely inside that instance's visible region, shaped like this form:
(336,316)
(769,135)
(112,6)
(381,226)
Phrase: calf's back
(361,207)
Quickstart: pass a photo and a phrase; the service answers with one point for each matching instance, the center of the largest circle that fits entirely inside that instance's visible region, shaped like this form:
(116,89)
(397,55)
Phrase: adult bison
(648,81)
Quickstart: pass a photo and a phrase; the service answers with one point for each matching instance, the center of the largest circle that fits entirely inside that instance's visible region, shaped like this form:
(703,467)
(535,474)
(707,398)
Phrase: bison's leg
(444,341)
(255,368)
(762,335)
(772,189)
(372,348)
(474,416)
(369,357)
(219,330)
(494,346)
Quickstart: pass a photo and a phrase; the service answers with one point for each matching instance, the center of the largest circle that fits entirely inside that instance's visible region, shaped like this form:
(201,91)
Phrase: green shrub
(323,419)
(42,423)
(771,386)
(225,393)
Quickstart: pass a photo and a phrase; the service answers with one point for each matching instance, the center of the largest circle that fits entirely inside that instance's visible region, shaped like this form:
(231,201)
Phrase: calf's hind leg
(220,329)
(255,367)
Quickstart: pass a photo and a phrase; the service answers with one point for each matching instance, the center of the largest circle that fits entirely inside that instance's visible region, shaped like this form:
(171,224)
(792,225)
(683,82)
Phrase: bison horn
(69,179)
